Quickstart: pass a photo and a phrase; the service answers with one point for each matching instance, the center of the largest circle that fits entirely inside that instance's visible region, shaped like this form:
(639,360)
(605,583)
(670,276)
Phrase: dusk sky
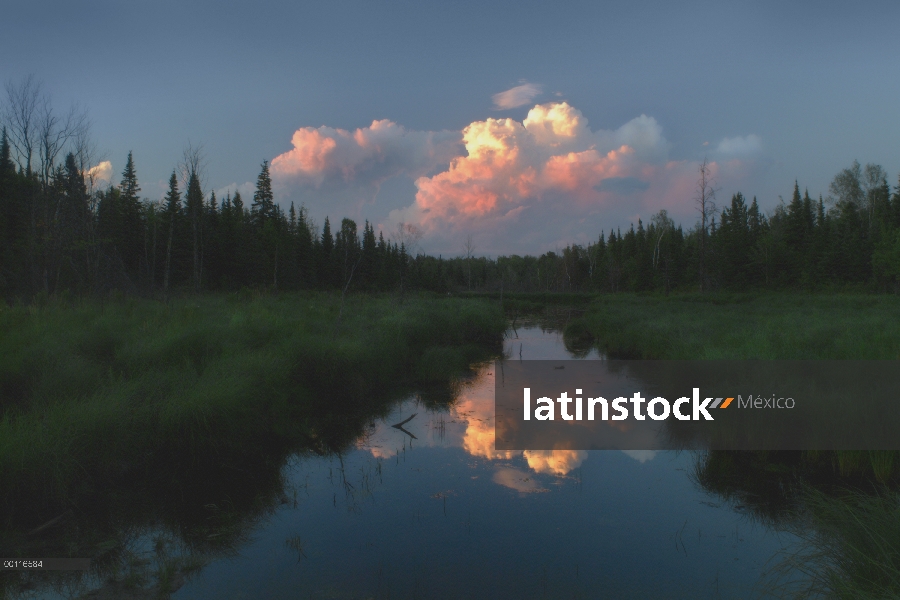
(527,125)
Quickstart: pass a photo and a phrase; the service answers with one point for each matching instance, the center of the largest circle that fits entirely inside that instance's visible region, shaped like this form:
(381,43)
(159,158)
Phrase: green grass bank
(843,506)
(92,393)
(742,326)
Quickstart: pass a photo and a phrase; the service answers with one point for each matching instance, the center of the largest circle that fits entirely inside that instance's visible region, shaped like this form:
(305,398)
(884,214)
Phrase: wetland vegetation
(135,403)
(166,426)
(844,504)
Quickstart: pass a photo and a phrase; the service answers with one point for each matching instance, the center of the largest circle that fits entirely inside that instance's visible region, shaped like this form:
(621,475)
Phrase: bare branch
(663,224)
(408,235)
(86,154)
(193,161)
(705,199)
(54,132)
(21,116)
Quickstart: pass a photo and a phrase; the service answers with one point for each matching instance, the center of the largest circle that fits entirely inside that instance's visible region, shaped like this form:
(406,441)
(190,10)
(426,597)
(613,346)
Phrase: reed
(91,392)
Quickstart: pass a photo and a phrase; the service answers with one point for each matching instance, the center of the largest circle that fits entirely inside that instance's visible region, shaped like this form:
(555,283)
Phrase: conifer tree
(194,205)
(124,224)
(895,206)
(172,208)
(327,246)
(237,204)
(263,207)
(129,184)
(6,164)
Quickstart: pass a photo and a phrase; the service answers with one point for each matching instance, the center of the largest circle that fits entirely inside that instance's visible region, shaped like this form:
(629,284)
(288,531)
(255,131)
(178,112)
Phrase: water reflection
(437,512)
(441,514)
(469,422)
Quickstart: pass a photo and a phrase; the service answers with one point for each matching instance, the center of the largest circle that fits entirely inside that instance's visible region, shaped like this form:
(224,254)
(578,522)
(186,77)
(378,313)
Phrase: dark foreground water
(444,515)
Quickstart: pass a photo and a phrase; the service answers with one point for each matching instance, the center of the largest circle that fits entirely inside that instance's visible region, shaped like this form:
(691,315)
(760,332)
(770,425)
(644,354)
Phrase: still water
(435,512)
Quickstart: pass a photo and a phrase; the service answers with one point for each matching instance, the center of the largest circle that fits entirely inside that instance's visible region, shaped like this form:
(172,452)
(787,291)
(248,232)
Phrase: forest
(64,231)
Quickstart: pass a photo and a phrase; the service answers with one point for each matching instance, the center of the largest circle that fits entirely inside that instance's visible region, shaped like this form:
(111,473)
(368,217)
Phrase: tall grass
(849,549)
(842,505)
(744,326)
(90,391)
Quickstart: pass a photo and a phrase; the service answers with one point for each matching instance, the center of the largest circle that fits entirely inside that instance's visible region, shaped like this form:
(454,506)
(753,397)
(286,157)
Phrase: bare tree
(663,224)
(87,158)
(55,132)
(705,200)
(469,247)
(21,118)
(408,236)
(86,154)
(877,191)
(192,163)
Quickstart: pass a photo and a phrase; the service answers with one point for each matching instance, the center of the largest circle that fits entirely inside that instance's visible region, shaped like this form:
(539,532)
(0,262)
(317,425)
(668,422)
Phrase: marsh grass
(744,326)
(92,393)
(843,505)
(848,548)
(750,326)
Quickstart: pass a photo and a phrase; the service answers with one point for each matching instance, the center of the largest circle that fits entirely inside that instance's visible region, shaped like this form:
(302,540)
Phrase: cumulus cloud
(100,172)
(368,155)
(339,172)
(516,186)
(509,162)
(517,96)
(555,462)
(247,189)
(518,480)
(641,456)
(549,169)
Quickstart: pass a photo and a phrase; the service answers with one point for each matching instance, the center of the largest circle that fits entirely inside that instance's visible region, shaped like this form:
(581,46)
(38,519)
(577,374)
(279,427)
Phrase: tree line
(57,236)
(61,233)
(850,241)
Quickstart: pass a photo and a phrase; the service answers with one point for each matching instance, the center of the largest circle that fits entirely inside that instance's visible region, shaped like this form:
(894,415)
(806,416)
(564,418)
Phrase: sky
(523,126)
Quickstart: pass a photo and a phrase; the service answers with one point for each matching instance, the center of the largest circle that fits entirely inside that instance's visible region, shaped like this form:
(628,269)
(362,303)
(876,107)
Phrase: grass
(849,549)
(842,505)
(743,326)
(91,393)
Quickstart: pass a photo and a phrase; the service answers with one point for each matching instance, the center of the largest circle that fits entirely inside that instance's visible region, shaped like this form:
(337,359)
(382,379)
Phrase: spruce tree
(129,230)
(369,258)
(6,164)
(237,205)
(263,207)
(173,206)
(129,184)
(326,273)
(194,204)
(895,206)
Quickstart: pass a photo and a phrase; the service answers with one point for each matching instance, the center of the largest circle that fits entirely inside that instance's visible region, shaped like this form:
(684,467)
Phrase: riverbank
(99,395)
(742,326)
(844,503)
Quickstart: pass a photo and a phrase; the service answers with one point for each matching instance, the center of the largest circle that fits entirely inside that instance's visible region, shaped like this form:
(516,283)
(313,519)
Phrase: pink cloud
(550,162)
(517,96)
(515,186)
(365,156)
(552,180)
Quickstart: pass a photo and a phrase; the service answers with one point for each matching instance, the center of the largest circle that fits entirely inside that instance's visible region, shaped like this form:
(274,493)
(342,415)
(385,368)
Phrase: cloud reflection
(469,424)
(517,480)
